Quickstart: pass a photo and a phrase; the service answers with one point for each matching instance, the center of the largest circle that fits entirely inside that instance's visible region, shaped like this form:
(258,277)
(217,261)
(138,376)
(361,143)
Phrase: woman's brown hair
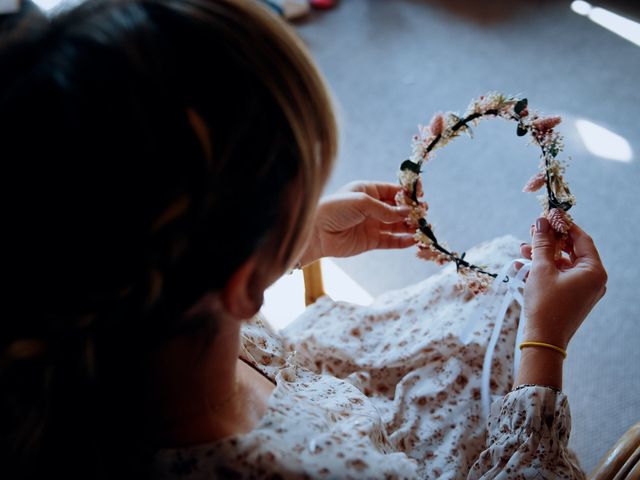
(119,217)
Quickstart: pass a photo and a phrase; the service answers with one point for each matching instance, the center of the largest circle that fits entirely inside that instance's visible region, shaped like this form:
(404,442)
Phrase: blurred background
(393,64)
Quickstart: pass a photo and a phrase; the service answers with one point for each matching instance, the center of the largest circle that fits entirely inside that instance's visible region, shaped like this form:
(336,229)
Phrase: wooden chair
(622,462)
(313,286)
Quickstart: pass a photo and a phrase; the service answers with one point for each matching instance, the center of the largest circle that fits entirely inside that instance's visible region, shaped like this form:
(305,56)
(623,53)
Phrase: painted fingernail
(542,225)
(523,244)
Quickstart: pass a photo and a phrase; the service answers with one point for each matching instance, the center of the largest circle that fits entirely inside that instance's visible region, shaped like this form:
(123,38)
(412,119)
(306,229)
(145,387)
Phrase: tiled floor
(392,64)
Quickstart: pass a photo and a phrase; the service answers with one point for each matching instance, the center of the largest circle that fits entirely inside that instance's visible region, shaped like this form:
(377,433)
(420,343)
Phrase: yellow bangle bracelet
(544,345)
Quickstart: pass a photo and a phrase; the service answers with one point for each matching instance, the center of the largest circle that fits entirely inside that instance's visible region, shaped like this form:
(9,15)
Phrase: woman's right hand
(559,295)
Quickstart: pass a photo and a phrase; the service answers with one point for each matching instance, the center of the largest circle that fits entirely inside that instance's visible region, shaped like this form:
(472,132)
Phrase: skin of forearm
(540,366)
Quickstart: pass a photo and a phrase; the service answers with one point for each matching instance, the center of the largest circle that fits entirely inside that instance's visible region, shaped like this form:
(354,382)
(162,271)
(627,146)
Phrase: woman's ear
(243,294)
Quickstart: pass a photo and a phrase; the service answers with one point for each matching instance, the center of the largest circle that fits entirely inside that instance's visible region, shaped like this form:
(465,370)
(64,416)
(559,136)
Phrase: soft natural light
(604,143)
(581,8)
(48,4)
(626,28)
(284,300)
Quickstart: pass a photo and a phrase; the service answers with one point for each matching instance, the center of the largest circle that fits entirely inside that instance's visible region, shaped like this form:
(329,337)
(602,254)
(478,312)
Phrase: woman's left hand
(362,216)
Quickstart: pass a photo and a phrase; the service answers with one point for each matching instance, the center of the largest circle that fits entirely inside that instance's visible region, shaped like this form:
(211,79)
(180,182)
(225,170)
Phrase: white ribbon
(514,291)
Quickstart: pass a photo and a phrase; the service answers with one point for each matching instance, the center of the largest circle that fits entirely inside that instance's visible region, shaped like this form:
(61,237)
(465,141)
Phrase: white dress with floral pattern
(391,391)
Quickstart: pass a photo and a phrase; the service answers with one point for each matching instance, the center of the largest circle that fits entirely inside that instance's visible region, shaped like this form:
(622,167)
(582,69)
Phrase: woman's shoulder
(262,347)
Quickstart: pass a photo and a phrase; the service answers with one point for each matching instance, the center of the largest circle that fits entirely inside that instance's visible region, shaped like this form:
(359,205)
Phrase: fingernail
(523,244)
(404,210)
(542,225)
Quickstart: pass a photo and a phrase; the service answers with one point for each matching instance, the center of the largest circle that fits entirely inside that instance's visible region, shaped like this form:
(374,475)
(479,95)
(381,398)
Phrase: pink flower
(535,183)
(419,211)
(440,258)
(545,124)
(558,220)
(437,124)
(425,253)
(428,252)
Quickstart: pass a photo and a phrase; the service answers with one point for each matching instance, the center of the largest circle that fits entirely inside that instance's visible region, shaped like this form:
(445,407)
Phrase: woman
(165,160)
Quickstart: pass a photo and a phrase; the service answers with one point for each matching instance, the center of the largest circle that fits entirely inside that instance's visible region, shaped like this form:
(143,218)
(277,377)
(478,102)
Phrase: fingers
(398,227)
(583,246)
(356,186)
(544,243)
(586,253)
(387,191)
(567,247)
(389,240)
(383,191)
(562,263)
(378,210)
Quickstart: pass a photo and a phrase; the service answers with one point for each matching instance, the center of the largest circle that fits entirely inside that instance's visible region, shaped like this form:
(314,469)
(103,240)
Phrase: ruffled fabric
(392,390)
(528,438)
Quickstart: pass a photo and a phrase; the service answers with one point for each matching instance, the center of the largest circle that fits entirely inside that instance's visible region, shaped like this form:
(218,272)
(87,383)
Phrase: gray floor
(391,64)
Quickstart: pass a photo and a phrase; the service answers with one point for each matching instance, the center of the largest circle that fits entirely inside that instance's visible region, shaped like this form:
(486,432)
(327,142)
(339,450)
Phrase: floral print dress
(391,391)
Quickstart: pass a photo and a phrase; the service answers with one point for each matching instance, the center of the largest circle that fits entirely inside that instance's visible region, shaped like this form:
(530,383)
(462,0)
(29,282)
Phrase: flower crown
(444,128)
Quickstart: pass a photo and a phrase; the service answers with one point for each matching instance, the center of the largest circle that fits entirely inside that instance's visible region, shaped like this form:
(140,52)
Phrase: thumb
(544,243)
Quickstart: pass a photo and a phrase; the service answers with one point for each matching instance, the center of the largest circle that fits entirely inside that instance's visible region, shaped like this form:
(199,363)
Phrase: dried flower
(559,220)
(473,281)
(535,183)
(407,178)
(425,253)
(439,257)
(440,132)
(542,125)
(419,211)
(402,198)
(437,124)
(421,239)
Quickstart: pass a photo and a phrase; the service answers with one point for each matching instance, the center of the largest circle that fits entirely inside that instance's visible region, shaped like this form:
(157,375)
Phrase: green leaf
(522,130)
(409,165)
(520,106)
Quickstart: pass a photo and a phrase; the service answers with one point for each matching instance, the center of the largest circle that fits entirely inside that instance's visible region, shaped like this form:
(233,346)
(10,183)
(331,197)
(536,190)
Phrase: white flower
(407,178)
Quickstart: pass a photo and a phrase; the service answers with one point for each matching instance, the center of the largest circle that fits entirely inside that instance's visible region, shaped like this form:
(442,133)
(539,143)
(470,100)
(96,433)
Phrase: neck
(196,387)
(201,391)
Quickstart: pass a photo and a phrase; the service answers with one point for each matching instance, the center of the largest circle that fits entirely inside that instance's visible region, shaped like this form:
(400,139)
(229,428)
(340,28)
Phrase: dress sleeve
(528,437)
